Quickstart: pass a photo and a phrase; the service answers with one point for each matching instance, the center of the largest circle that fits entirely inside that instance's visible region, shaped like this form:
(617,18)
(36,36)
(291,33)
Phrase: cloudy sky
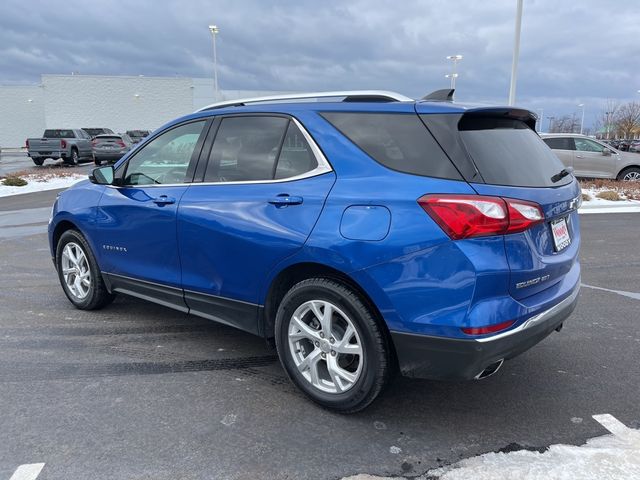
(572,51)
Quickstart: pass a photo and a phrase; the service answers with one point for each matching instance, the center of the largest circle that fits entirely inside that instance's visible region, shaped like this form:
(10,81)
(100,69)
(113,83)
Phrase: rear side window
(507,152)
(398,141)
(562,143)
(296,156)
(59,134)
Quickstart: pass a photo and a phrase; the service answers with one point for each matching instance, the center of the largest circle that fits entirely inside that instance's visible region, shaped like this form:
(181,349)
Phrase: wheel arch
(627,167)
(297,272)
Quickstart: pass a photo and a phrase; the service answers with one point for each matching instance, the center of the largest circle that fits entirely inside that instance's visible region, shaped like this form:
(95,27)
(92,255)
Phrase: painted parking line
(29,471)
(616,427)
(634,295)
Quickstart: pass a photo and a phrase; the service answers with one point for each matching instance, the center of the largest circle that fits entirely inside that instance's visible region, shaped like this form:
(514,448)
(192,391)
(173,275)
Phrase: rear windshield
(398,141)
(59,134)
(508,152)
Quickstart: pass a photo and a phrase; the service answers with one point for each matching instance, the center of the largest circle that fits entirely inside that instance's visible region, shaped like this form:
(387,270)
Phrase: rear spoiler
(526,116)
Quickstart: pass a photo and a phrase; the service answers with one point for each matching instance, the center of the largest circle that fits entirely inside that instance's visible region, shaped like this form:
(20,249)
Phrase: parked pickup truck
(71,145)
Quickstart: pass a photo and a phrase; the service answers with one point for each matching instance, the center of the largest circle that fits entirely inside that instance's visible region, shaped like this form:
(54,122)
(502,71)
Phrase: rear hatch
(499,154)
(107,143)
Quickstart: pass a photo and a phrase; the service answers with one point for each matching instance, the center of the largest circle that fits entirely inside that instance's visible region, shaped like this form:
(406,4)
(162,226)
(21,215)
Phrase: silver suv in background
(593,159)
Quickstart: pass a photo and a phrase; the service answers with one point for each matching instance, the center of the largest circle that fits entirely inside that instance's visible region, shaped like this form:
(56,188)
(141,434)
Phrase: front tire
(331,346)
(631,174)
(79,273)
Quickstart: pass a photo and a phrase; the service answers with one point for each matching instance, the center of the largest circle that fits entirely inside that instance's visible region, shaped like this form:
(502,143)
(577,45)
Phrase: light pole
(516,54)
(541,118)
(453,75)
(214,31)
(581,121)
(551,119)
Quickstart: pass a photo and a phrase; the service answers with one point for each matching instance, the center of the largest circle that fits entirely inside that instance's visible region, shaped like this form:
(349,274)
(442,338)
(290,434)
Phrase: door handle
(284,199)
(579,156)
(163,200)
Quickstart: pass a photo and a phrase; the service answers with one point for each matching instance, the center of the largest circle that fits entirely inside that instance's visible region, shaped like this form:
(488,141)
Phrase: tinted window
(586,145)
(165,159)
(245,149)
(296,156)
(398,141)
(508,152)
(59,134)
(561,143)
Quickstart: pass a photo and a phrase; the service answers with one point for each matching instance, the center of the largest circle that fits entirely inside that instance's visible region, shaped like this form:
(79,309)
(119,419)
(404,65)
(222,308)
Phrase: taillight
(93,143)
(63,144)
(121,144)
(467,216)
(26,143)
(496,327)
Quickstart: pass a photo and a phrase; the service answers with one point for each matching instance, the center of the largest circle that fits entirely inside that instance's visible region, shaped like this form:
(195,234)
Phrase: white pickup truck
(71,145)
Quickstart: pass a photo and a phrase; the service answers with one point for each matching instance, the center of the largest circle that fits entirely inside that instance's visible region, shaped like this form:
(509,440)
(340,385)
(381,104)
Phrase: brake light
(94,142)
(467,216)
(26,143)
(488,329)
(63,144)
(121,144)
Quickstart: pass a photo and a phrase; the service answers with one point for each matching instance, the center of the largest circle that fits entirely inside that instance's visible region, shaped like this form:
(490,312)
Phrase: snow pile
(38,183)
(601,457)
(601,205)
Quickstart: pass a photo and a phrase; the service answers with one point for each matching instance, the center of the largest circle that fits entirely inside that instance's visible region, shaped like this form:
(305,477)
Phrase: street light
(541,118)
(516,54)
(551,119)
(453,75)
(214,31)
(581,121)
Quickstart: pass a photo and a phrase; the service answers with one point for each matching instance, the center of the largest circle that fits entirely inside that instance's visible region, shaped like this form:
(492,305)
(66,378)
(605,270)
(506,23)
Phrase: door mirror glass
(102,175)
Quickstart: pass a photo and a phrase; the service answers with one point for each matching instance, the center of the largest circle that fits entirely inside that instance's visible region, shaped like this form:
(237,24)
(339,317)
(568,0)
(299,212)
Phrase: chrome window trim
(323,167)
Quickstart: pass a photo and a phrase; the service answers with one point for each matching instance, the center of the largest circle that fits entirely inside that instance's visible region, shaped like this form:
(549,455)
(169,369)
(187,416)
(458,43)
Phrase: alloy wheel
(325,346)
(75,270)
(632,176)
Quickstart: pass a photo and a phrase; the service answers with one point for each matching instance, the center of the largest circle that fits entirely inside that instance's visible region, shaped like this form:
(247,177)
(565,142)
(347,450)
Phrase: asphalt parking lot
(138,391)
(19,162)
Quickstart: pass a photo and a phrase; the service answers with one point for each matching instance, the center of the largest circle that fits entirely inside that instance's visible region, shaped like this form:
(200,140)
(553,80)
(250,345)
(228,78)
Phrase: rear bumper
(442,358)
(108,156)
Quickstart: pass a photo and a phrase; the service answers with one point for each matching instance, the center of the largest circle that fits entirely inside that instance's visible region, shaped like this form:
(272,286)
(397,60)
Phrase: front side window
(586,145)
(166,158)
(258,148)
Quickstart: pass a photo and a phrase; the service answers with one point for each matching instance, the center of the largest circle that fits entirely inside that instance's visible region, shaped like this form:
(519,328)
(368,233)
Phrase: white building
(117,102)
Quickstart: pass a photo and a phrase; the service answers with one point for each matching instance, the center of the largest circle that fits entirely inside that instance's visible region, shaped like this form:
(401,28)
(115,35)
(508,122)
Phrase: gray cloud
(571,52)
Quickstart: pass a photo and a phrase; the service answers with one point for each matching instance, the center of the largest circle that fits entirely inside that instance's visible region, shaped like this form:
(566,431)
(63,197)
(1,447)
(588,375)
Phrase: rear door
(512,161)
(264,183)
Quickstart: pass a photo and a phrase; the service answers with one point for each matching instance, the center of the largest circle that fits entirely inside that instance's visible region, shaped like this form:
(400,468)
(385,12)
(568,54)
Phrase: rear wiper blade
(561,174)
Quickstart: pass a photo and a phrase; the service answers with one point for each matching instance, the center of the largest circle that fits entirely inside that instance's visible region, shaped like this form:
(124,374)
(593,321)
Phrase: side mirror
(606,152)
(102,175)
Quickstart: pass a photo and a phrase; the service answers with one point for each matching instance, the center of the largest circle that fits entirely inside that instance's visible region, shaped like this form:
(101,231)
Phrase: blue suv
(362,232)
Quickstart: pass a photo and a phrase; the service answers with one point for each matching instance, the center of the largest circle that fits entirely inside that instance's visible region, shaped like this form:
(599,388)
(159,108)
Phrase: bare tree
(604,125)
(627,120)
(565,124)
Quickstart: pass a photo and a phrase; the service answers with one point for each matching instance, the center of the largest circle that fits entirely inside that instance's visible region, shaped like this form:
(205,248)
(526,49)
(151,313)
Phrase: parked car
(592,158)
(70,145)
(623,145)
(138,135)
(94,132)
(635,146)
(110,147)
(358,235)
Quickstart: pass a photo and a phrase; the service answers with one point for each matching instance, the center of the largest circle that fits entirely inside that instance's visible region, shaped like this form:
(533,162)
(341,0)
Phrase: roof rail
(443,95)
(347,96)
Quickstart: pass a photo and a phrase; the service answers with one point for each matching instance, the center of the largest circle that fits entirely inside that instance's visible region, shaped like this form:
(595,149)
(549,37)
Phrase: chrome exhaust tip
(490,370)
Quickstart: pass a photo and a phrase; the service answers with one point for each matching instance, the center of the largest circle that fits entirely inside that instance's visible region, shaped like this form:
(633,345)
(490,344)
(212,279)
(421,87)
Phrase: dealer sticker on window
(560,231)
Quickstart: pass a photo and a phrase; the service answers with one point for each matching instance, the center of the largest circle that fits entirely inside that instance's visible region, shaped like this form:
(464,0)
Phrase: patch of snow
(600,205)
(395,450)
(40,184)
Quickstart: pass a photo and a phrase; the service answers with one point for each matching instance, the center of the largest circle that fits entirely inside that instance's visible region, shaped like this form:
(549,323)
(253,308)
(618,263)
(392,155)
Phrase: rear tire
(631,174)
(74,159)
(79,273)
(38,161)
(341,360)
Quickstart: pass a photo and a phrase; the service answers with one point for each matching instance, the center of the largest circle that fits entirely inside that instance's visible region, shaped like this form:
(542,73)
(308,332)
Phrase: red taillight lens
(121,144)
(93,143)
(26,143)
(467,216)
(63,144)
(488,329)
